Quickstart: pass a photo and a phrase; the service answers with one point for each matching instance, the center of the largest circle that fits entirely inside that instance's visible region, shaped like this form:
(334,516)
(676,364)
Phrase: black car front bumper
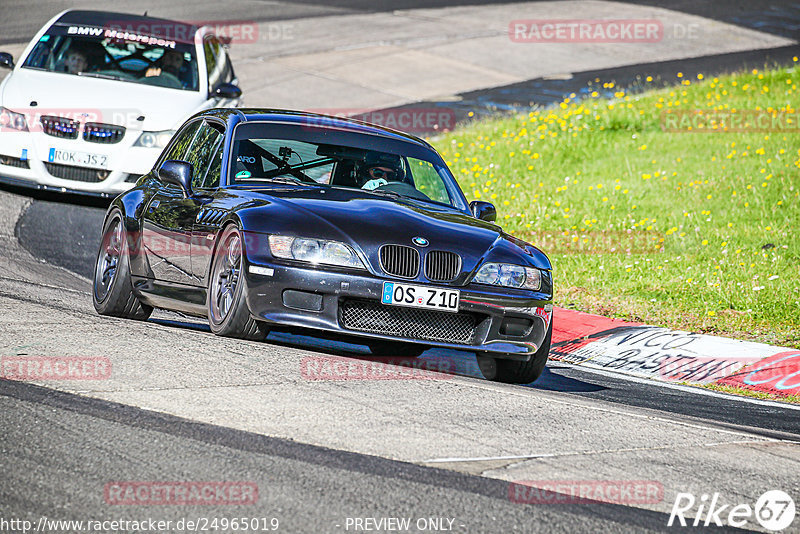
(490,320)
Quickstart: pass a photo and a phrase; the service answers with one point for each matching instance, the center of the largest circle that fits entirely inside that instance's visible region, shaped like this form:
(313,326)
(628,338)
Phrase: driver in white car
(76,61)
(170,63)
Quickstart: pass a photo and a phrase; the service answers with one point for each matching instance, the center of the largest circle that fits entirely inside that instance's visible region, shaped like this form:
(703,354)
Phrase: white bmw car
(96,96)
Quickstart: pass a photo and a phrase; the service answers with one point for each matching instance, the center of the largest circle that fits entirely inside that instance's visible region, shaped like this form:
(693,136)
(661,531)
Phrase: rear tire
(228,314)
(112,291)
(396,348)
(518,372)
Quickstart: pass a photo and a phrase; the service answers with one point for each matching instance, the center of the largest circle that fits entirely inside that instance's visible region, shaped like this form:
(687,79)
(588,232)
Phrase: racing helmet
(379,166)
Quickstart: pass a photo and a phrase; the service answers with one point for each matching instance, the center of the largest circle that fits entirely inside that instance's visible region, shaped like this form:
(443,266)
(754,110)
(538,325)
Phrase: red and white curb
(672,355)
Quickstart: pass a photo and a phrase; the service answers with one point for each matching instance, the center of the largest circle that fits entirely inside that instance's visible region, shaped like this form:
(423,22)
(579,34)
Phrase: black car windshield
(381,172)
(117,55)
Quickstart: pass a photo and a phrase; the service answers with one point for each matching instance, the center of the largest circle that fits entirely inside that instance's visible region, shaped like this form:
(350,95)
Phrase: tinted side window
(215,169)
(428,181)
(216,63)
(182,141)
(227,76)
(201,152)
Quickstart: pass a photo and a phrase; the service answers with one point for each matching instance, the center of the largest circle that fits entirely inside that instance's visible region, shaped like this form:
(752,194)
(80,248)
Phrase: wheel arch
(231,219)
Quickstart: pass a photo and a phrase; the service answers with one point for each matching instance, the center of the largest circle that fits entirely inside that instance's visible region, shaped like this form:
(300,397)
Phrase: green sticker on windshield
(243,174)
(44,38)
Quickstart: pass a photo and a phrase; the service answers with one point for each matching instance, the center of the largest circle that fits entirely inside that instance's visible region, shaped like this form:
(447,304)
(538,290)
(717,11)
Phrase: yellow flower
(705,242)
(711,313)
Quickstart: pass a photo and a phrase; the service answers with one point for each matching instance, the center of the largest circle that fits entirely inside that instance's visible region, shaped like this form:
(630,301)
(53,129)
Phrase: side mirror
(484,211)
(6,60)
(177,173)
(227,90)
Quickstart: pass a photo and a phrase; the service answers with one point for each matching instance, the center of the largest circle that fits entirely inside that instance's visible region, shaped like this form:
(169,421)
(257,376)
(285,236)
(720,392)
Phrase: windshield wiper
(385,193)
(103,76)
(288,180)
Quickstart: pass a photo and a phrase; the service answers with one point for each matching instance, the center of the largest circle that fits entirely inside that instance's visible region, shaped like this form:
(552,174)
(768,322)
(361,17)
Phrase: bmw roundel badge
(420,241)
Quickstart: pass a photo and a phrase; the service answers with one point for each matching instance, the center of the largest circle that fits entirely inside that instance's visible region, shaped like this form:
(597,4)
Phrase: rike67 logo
(774,511)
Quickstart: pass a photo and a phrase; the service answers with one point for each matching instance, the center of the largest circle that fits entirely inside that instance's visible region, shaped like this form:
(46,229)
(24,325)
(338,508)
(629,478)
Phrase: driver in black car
(379,169)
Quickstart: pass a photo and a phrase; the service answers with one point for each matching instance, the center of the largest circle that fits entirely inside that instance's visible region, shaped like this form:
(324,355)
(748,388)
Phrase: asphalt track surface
(22,18)
(308,488)
(74,247)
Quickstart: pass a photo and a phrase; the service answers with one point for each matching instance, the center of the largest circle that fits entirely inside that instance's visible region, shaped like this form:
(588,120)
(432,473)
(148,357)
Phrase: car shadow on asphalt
(552,380)
(447,361)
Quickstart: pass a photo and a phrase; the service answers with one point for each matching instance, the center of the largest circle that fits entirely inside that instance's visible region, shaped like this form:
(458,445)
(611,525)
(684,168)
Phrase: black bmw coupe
(259,219)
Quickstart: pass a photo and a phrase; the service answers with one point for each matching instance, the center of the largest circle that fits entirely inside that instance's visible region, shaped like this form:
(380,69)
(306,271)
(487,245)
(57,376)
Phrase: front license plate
(432,298)
(73,157)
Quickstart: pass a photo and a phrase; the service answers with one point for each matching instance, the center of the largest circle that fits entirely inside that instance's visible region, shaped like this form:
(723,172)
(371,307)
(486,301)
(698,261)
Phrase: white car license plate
(72,157)
(432,298)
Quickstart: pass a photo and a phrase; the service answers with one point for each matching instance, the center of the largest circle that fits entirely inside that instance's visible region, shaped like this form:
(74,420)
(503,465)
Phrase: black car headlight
(315,251)
(12,120)
(509,275)
(154,139)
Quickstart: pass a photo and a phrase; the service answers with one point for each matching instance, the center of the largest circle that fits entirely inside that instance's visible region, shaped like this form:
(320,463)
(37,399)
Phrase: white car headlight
(509,275)
(314,251)
(154,139)
(12,120)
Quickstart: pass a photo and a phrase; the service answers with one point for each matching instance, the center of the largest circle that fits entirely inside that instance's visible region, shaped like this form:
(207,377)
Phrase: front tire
(518,372)
(228,314)
(112,291)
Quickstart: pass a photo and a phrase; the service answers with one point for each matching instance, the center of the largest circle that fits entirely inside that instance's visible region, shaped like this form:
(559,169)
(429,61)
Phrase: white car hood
(107,101)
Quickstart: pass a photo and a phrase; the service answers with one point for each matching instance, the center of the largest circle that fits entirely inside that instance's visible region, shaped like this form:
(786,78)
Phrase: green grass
(711,220)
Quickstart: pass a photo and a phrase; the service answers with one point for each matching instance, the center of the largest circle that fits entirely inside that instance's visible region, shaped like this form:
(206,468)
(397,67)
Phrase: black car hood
(367,221)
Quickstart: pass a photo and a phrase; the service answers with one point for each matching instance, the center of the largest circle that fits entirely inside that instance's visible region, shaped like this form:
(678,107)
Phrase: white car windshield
(117,55)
